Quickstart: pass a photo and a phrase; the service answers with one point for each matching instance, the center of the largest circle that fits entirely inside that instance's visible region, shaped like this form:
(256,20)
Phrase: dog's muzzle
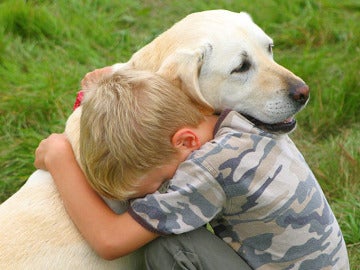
(300,94)
(284,127)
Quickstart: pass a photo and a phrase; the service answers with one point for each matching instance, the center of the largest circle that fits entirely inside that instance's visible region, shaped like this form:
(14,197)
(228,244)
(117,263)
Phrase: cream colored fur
(37,233)
(198,54)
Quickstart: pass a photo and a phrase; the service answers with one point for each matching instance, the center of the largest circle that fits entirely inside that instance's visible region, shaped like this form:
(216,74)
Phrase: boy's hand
(94,76)
(52,149)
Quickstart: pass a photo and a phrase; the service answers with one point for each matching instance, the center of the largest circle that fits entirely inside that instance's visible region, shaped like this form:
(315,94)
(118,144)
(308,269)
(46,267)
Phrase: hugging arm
(109,234)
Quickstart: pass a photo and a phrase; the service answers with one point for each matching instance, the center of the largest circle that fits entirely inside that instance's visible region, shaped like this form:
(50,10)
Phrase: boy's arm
(109,234)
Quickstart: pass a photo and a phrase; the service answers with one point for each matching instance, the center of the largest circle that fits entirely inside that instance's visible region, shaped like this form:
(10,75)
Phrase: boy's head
(126,129)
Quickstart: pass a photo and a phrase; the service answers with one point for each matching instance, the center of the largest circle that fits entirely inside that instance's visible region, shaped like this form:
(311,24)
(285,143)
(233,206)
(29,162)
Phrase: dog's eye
(245,66)
(270,48)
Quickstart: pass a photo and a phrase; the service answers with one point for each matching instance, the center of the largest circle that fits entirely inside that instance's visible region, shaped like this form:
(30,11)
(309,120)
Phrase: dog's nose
(300,93)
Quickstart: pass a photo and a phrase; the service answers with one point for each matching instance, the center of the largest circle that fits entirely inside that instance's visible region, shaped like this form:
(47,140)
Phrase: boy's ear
(185,138)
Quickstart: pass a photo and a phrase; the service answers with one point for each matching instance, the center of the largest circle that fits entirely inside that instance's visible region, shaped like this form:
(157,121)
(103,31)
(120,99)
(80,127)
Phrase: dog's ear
(182,68)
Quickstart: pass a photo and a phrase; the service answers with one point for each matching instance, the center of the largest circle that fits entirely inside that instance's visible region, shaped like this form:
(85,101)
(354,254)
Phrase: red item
(79,98)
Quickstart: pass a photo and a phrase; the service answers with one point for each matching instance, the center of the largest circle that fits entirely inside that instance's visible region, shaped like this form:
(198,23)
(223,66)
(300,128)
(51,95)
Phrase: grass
(47,46)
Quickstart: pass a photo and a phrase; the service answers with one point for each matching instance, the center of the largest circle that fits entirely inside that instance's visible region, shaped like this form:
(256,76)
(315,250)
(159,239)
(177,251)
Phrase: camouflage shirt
(259,195)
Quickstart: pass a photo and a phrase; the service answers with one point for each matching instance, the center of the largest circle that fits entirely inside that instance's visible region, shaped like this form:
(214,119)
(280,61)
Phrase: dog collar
(79,98)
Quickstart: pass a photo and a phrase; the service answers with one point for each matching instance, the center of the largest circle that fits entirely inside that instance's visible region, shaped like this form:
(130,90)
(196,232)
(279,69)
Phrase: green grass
(46,47)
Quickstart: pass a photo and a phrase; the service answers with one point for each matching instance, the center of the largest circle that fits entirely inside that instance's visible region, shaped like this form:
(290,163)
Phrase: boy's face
(151,182)
(185,141)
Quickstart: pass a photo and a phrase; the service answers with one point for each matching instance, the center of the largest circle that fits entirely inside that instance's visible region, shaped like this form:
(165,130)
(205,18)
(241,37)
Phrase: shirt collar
(221,118)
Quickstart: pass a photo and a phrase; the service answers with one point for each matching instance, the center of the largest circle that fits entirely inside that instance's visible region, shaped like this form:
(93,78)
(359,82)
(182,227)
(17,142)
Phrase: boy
(128,119)
(254,187)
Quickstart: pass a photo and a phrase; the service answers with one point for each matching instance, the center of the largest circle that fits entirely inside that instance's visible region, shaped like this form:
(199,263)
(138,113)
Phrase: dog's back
(37,233)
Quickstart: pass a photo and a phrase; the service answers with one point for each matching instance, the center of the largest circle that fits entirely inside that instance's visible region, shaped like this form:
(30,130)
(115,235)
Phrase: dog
(222,60)
(226,62)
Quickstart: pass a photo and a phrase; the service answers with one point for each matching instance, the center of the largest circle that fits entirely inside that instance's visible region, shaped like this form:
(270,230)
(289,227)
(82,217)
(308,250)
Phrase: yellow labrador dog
(221,59)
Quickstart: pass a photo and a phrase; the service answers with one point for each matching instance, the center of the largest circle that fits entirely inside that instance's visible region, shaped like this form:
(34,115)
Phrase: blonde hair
(128,120)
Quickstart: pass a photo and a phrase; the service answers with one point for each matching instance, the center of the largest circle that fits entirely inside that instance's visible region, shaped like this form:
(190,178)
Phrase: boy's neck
(206,128)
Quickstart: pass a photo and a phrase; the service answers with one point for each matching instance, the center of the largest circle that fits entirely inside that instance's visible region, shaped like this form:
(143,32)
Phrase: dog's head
(223,60)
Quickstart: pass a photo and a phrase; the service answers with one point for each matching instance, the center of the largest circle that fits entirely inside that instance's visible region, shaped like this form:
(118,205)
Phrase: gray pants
(196,250)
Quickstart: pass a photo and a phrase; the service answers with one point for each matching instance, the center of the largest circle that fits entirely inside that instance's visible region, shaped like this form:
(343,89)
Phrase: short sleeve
(193,198)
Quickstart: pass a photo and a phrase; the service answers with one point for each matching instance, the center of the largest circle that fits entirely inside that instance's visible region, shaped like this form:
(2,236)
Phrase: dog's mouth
(283,127)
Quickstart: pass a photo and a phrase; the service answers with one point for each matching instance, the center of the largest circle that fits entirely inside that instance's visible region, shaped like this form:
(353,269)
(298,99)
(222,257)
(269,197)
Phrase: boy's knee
(170,252)
(198,249)
(154,248)
(156,254)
